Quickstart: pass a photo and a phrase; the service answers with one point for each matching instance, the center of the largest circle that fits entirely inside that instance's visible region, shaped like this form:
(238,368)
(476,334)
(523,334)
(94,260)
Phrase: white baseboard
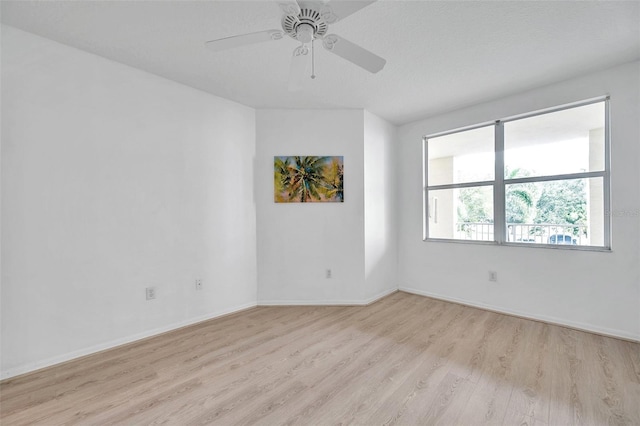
(380,295)
(620,334)
(337,302)
(27,368)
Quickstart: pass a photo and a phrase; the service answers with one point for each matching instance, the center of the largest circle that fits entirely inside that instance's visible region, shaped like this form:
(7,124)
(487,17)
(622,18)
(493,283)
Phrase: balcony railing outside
(534,233)
(474,231)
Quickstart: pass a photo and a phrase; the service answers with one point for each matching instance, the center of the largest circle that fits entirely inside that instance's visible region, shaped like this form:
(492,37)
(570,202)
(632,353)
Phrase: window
(536,179)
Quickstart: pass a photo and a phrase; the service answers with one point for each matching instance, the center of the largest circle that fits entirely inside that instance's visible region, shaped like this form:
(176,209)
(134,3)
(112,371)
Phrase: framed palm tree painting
(308,179)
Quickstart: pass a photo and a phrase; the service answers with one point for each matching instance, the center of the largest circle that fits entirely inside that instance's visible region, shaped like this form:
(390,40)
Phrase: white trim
(338,302)
(499,188)
(298,302)
(590,328)
(606,180)
(28,368)
(548,178)
(426,208)
(380,295)
(461,185)
(12,372)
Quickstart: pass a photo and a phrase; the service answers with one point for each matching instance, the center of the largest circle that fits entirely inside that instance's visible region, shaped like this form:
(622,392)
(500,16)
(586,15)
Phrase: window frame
(499,182)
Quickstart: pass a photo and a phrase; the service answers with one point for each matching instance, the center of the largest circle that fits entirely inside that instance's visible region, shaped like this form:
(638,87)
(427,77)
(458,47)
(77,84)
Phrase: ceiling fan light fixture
(304,33)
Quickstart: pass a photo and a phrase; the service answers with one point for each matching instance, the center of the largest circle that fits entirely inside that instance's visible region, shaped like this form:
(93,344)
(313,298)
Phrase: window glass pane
(462,157)
(569,212)
(461,213)
(567,141)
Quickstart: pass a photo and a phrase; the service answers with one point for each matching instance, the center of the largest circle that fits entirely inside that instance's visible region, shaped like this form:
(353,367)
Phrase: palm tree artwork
(308,179)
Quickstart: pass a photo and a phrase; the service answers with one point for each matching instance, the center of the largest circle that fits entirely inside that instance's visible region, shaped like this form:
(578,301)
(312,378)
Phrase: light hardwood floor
(405,359)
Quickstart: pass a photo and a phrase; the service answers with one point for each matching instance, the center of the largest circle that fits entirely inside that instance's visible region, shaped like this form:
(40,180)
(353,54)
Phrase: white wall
(597,291)
(379,207)
(297,242)
(114,180)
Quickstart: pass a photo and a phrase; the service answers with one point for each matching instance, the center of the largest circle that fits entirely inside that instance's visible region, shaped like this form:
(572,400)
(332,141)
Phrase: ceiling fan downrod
(313,62)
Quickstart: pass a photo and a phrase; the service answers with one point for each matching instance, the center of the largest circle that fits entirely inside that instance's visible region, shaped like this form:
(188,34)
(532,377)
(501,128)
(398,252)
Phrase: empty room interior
(320,212)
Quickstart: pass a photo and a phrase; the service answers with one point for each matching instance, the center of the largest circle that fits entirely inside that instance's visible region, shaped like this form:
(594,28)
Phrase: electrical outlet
(151,293)
(493,276)
(198,284)
(328,273)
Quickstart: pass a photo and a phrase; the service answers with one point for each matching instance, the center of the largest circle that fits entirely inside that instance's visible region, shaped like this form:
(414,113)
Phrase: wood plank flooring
(403,360)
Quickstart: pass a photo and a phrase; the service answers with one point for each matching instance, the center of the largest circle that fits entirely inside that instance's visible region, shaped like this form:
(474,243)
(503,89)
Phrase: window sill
(527,245)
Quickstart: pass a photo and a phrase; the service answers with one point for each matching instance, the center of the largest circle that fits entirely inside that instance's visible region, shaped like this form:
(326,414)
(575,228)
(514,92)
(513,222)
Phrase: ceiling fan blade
(299,67)
(243,40)
(289,7)
(353,53)
(338,9)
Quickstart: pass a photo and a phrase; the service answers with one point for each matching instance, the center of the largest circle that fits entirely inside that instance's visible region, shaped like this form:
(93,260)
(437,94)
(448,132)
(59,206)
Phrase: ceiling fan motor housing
(306,26)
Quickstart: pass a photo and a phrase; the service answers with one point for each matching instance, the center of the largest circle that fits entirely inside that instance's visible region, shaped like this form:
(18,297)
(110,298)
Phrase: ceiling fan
(306,22)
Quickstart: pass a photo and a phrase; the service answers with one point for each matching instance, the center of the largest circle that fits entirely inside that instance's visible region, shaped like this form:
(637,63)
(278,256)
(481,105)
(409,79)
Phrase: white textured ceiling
(440,55)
